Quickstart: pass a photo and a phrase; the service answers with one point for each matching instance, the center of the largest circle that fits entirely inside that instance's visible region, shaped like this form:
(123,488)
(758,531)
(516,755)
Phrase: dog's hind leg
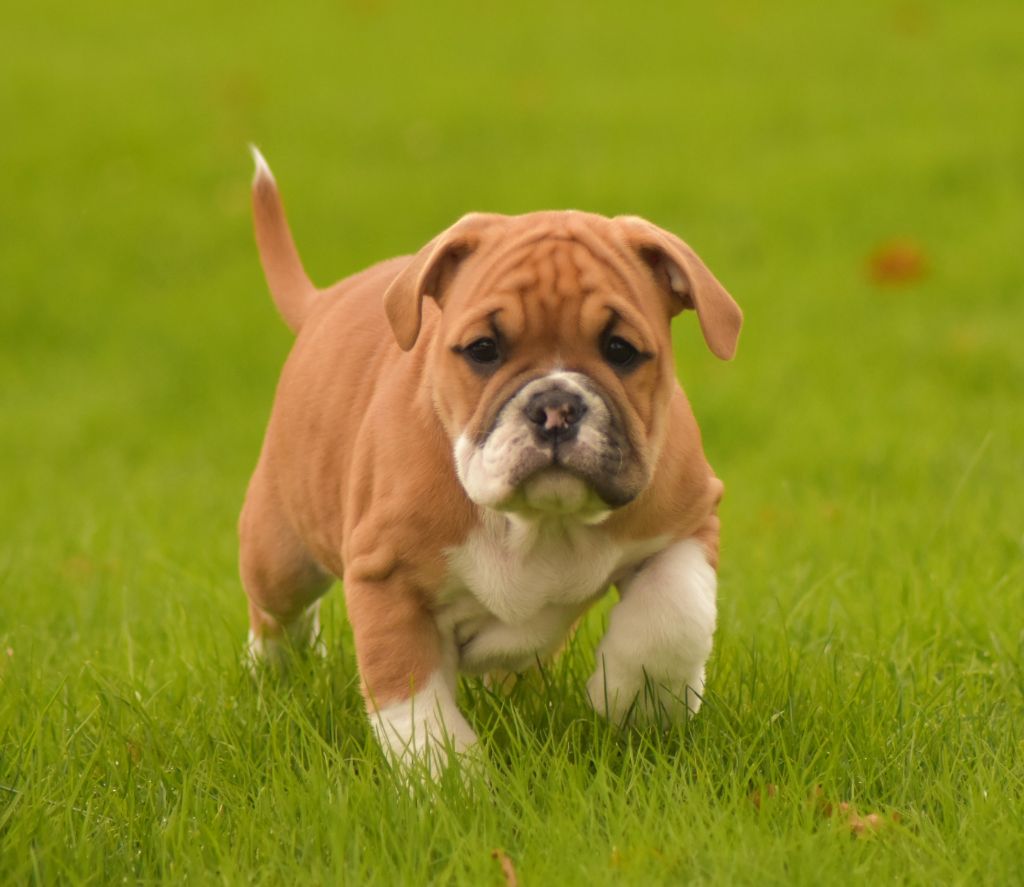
(283,582)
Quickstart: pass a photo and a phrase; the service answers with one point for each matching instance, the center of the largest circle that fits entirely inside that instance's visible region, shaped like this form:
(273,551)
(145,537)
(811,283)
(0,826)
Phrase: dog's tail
(289,284)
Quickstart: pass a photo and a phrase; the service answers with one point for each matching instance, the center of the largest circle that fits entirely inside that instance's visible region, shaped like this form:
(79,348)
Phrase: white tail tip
(262,167)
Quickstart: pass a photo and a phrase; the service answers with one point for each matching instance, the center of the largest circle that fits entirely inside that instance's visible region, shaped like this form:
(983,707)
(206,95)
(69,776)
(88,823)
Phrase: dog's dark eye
(619,353)
(482,351)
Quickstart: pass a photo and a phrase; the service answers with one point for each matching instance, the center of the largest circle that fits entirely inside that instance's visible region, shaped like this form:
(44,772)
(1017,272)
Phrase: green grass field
(870,433)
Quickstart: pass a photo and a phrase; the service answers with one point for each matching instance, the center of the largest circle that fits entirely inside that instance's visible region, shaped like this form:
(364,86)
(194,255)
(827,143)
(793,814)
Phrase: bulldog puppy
(479,440)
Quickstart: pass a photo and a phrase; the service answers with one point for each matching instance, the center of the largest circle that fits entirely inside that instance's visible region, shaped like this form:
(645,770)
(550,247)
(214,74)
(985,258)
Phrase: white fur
(517,586)
(423,728)
(659,634)
(303,632)
(262,169)
(482,470)
(676,280)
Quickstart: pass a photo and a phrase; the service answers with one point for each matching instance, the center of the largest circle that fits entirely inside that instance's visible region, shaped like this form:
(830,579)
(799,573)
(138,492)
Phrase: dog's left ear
(429,272)
(688,282)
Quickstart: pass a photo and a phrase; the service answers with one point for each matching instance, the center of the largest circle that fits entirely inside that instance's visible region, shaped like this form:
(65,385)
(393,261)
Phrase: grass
(871,436)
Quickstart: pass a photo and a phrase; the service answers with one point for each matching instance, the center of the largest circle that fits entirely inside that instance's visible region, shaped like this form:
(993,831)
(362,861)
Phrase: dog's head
(552,367)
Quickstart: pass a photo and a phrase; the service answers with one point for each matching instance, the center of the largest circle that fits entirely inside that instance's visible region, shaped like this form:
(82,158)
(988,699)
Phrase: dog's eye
(482,351)
(619,353)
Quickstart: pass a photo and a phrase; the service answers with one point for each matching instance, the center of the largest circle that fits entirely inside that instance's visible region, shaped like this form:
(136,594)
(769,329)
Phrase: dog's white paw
(422,733)
(650,663)
(622,692)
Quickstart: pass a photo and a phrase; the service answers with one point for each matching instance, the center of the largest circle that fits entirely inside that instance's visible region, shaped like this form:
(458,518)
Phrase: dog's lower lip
(613,502)
(561,467)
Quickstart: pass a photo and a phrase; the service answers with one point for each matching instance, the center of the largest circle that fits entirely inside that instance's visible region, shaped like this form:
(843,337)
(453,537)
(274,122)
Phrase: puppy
(479,440)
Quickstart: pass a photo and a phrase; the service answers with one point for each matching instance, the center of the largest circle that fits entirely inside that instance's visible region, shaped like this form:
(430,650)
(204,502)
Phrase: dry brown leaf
(820,803)
(865,825)
(508,868)
(769,791)
(897,262)
(860,825)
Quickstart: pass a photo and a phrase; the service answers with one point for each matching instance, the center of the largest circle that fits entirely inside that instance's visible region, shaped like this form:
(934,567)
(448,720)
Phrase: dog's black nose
(555,414)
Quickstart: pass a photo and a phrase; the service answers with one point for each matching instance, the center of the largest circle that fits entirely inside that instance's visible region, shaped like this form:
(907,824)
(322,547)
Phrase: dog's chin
(559,493)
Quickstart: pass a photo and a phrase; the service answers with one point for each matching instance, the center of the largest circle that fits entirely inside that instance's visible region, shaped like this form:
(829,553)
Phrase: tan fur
(356,477)
(291,288)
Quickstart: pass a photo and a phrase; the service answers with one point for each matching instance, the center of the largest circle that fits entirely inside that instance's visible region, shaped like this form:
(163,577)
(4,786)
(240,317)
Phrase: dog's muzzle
(558,445)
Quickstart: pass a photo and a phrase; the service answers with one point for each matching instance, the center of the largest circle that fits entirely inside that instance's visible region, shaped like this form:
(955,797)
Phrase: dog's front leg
(407,676)
(659,636)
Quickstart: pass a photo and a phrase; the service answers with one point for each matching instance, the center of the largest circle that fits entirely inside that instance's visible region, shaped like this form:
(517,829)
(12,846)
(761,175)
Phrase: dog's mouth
(567,478)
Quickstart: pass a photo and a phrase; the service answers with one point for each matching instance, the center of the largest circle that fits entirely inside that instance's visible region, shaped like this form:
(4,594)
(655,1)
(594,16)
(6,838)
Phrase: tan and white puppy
(479,440)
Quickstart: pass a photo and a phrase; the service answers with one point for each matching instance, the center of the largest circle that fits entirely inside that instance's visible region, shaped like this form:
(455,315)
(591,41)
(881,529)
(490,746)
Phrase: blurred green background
(787,145)
(853,172)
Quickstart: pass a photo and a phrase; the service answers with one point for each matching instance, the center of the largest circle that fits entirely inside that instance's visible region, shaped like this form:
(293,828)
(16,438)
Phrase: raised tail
(289,284)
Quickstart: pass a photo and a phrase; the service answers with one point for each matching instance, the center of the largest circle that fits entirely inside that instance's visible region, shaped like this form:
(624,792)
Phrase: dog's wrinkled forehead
(540,291)
(557,265)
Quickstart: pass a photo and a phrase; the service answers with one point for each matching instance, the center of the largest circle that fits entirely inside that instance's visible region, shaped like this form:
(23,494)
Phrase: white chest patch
(516,587)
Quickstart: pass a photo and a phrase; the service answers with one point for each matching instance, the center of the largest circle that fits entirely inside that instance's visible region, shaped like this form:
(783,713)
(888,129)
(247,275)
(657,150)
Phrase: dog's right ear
(429,272)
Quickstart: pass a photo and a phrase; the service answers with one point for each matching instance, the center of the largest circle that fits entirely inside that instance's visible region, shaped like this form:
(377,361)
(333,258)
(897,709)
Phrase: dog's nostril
(555,413)
(555,417)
